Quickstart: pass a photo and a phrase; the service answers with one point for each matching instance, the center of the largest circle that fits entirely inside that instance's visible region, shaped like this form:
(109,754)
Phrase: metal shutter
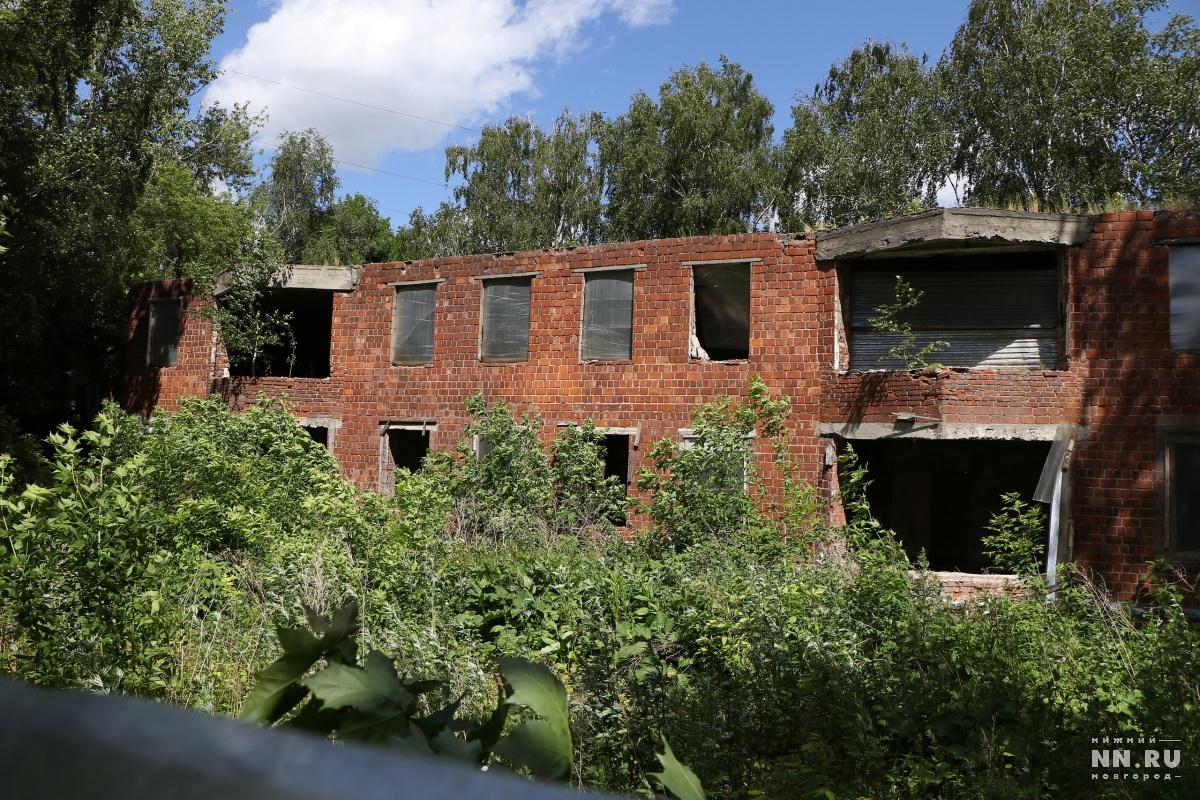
(1185,298)
(991,317)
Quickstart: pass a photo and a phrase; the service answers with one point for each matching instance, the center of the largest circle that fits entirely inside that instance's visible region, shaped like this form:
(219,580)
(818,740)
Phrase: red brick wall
(1118,378)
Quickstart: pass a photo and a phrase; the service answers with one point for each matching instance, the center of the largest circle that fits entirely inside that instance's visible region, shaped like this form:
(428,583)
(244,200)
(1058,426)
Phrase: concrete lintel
(950,226)
(938,430)
(306,276)
(332,423)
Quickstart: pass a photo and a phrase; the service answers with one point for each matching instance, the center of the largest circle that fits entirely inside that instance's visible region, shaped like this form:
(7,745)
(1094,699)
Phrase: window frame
(397,287)
(696,351)
(151,314)
(387,467)
(1172,280)
(485,281)
(1170,437)
(632,269)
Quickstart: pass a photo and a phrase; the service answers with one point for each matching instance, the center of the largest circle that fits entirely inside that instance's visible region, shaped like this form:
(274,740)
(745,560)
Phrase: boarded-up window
(1185,298)
(165,317)
(992,310)
(412,324)
(504,334)
(1183,495)
(722,311)
(608,316)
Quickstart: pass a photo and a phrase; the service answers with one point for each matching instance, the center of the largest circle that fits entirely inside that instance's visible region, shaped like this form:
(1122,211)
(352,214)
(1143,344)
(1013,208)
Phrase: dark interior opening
(722,310)
(616,465)
(307,356)
(319,434)
(938,496)
(616,457)
(408,448)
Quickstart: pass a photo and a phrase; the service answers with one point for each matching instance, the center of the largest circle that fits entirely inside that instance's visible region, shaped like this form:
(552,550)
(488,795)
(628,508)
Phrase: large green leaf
(537,688)
(540,746)
(676,777)
(275,682)
(339,685)
(543,746)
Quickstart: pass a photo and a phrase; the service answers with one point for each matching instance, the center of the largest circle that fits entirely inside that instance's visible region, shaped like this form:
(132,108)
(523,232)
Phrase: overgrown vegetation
(818,664)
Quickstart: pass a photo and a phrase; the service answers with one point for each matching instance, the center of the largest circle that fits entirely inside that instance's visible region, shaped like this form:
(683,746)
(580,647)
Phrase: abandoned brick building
(1070,373)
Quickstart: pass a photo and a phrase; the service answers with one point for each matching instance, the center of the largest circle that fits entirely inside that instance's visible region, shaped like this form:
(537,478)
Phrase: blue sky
(470,62)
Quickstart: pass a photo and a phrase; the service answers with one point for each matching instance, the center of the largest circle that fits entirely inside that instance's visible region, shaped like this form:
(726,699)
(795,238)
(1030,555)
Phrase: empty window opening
(721,311)
(403,445)
(504,331)
(318,433)
(616,457)
(306,355)
(991,310)
(413,324)
(1185,298)
(607,316)
(938,496)
(165,326)
(1182,459)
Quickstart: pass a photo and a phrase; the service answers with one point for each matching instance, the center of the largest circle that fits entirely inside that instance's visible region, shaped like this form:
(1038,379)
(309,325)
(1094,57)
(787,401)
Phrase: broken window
(404,446)
(992,310)
(165,324)
(721,311)
(318,433)
(310,313)
(1185,298)
(413,323)
(607,316)
(1182,459)
(504,332)
(939,495)
(616,457)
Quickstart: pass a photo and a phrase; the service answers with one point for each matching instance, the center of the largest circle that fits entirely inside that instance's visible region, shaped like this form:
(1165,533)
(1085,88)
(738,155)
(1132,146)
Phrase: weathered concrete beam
(967,227)
(308,276)
(925,429)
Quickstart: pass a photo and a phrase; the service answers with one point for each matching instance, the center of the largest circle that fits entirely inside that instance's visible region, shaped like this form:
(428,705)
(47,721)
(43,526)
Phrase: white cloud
(458,61)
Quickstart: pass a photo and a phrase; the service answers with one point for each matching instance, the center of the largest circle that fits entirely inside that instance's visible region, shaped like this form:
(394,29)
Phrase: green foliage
(504,485)
(676,777)
(524,188)
(696,161)
(700,491)
(94,103)
(1068,104)
(299,192)
(370,703)
(868,143)
(888,319)
(245,325)
(1016,544)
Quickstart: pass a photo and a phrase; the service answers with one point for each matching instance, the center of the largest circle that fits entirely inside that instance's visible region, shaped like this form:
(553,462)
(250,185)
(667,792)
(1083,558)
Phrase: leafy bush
(1015,544)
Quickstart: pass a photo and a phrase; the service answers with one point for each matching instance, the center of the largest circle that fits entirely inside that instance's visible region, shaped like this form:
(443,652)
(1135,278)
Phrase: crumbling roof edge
(954,225)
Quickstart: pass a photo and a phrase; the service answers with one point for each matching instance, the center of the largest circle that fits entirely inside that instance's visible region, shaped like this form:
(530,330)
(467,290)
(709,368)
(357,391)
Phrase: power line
(441,184)
(352,102)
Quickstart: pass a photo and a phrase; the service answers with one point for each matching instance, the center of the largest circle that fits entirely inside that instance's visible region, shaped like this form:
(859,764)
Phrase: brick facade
(1119,378)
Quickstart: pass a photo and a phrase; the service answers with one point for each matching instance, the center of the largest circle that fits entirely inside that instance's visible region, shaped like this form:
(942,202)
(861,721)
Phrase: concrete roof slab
(954,227)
